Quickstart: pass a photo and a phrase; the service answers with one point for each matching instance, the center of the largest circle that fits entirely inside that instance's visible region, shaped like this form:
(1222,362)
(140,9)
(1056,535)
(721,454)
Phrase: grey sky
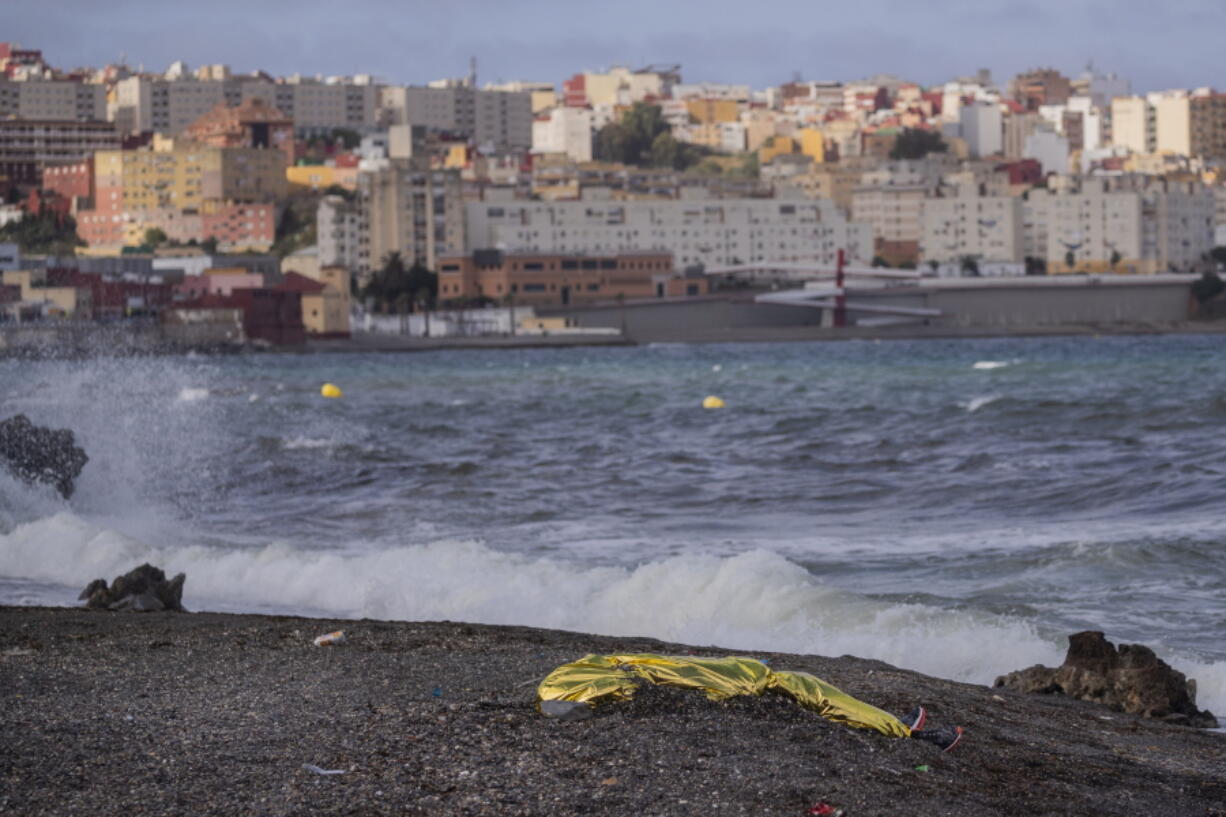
(1178,43)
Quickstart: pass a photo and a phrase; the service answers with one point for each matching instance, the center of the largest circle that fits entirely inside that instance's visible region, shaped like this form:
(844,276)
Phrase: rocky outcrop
(38,454)
(143,590)
(1131,679)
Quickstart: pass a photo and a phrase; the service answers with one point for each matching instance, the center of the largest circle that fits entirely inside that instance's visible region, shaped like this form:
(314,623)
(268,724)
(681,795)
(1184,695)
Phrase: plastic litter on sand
(330,639)
(311,767)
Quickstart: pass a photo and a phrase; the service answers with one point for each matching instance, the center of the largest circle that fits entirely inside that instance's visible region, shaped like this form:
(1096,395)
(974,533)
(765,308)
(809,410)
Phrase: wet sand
(153,714)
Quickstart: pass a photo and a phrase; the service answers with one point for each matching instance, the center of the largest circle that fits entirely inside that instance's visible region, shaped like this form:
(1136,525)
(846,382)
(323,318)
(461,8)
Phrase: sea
(957,507)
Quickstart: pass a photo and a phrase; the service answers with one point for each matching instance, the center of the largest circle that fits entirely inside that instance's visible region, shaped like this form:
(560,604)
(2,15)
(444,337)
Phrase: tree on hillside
(916,143)
(642,137)
(46,233)
(155,237)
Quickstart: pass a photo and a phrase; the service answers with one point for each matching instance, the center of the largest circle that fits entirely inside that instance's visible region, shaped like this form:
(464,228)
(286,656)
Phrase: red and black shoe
(915,719)
(945,737)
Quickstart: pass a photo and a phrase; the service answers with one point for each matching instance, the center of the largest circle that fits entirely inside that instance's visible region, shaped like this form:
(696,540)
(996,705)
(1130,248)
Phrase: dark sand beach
(159,714)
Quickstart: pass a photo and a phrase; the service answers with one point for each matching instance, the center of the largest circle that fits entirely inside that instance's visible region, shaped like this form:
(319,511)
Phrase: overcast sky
(1177,43)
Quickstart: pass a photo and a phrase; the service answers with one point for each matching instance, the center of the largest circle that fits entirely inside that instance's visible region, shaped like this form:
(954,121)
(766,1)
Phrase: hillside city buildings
(1044,173)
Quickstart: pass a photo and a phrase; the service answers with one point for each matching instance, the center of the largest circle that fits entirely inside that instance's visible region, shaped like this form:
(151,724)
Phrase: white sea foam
(976,403)
(188,394)
(306,443)
(992,364)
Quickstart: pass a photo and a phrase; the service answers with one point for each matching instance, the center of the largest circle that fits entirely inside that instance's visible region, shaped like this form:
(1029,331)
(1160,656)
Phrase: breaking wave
(753,601)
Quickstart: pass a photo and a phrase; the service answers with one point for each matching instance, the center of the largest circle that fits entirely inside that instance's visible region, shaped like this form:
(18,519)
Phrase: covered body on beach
(596,679)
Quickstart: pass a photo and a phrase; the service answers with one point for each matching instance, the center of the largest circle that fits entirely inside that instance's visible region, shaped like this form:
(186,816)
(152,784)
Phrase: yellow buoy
(331,390)
(712,402)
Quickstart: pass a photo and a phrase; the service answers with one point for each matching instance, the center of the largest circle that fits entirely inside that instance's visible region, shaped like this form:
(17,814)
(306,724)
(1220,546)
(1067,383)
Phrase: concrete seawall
(967,307)
(77,339)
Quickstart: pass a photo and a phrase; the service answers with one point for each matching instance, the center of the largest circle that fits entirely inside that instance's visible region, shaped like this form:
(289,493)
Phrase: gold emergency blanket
(596,679)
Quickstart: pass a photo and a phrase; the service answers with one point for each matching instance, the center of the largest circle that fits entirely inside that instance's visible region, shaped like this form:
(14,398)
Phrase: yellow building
(68,302)
(708,111)
(813,143)
(456,158)
(776,146)
(321,177)
(185,175)
(543,100)
(325,309)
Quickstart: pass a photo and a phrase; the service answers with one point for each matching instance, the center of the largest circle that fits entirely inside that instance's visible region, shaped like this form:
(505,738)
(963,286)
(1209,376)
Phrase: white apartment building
(952,94)
(1132,224)
(398,207)
(52,99)
(982,126)
(712,90)
(564,130)
(1172,122)
(1048,147)
(964,223)
(712,232)
(1133,124)
(894,213)
(501,120)
(1092,125)
(169,106)
(337,232)
(1219,221)
(621,86)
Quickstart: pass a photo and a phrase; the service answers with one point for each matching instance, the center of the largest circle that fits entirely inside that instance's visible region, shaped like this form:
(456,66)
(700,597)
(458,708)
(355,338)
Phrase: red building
(114,298)
(269,315)
(43,201)
(72,180)
(1023,171)
(574,92)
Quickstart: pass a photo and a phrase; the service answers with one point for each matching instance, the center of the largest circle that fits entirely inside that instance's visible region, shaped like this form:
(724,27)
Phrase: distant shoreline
(363,342)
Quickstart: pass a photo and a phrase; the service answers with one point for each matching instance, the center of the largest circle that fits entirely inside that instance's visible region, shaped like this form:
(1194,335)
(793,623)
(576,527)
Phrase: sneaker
(945,737)
(915,718)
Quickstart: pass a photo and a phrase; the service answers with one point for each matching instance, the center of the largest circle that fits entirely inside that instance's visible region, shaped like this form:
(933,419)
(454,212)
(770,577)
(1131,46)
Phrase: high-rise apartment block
(1038,87)
(965,223)
(982,128)
(1133,224)
(52,99)
(171,105)
(399,207)
(189,191)
(501,120)
(712,232)
(28,145)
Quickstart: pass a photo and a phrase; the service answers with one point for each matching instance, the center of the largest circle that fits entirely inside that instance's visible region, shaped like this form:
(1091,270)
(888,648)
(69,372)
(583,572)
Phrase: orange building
(253,124)
(539,279)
